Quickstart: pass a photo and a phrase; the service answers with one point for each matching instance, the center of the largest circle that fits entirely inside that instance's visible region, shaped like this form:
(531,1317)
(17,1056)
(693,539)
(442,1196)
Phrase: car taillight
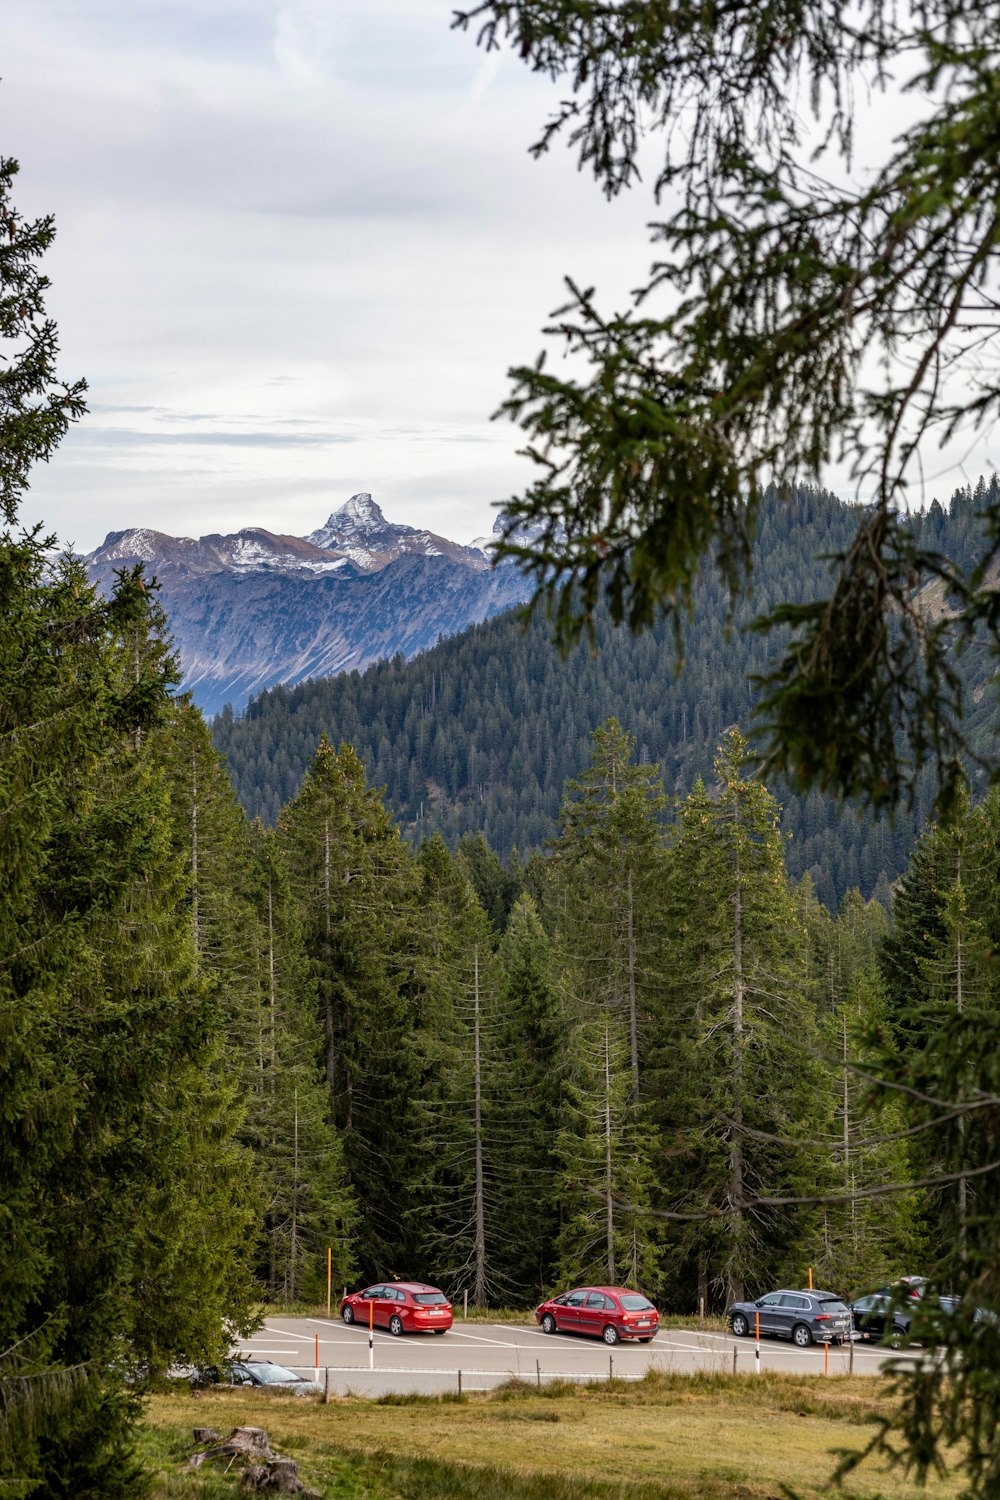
(823,1318)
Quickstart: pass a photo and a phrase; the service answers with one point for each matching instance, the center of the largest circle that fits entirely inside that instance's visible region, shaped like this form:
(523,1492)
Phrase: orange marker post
(756,1347)
(810,1278)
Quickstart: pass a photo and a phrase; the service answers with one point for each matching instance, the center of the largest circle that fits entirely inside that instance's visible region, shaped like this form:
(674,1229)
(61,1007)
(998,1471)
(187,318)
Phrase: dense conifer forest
(481,733)
(665,1050)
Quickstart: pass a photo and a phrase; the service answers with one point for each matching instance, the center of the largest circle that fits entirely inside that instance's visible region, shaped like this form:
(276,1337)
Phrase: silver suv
(804,1317)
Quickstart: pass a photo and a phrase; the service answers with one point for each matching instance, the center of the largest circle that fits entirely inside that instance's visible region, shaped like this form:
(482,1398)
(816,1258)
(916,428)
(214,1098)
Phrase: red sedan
(610,1313)
(400,1306)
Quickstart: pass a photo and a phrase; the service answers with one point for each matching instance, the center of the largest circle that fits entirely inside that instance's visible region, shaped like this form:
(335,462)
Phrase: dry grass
(677,1436)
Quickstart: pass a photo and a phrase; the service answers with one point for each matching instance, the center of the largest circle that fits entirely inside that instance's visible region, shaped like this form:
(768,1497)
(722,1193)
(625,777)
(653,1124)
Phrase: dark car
(258,1372)
(805,1317)
(610,1313)
(886,1315)
(400,1306)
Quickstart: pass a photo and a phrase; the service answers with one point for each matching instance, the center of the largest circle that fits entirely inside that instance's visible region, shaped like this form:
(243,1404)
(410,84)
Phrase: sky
(298,247)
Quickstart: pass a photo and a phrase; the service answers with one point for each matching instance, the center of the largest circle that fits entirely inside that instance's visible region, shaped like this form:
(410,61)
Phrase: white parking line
(482,1339)
(538,1333)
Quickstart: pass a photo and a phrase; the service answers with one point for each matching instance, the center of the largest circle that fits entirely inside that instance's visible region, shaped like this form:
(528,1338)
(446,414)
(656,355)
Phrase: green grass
(709,1436)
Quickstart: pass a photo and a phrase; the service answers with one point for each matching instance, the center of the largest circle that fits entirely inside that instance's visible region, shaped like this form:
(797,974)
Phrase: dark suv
(804,1317)
(886,1315)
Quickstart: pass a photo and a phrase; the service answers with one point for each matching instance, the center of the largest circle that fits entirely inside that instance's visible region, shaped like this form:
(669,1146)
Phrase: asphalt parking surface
(484,1355)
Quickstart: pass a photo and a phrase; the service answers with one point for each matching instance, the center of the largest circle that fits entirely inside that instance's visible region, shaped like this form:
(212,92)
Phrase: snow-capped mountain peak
(358,523)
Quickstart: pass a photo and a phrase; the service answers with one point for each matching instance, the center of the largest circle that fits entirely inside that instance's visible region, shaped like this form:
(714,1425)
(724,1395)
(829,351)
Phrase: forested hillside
(481,732)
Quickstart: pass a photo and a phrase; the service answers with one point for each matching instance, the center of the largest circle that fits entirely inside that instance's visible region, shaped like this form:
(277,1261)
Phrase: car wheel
(347,1313)
(395,1325)
(741,1326)
(897,1338)
(548,1323)
(801,1336)
(611,1335)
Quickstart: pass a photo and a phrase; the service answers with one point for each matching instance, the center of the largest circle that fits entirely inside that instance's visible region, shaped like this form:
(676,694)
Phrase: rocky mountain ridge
(255,609)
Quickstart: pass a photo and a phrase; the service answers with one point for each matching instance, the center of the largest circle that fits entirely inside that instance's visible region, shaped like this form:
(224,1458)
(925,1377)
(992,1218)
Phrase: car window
(831,1305)
(597,1299)
(372,1292)
(433,1299)
(798,1304)
(576,1299)
(773,1299)
(273,1374)
(865,1304)
(632,1302)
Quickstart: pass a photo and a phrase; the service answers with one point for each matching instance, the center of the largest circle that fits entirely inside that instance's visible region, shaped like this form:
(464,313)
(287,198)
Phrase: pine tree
(523,1110)
(455,1005)
(105,1026)
(605,1149)
(611,869)
(862,1239)
(754,1081)
(308,1210)
(354,884)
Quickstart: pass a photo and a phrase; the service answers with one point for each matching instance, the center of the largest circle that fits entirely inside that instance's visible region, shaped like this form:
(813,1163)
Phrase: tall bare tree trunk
(609,1201)
(633,1020)
(479,1278)
(734,1268)
(963,1187)
(328,1002)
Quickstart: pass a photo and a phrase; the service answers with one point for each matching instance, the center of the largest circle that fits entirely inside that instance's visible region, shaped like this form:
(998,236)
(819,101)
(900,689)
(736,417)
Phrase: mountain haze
(254,609)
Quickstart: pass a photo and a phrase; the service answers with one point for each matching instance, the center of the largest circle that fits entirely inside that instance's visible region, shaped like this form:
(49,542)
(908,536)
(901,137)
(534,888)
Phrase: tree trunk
(479,1279)
(609,1201)
(734,1267)
(633,1021)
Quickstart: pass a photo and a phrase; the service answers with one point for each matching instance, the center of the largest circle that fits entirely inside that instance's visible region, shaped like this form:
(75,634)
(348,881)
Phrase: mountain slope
(481,733)
(253,609)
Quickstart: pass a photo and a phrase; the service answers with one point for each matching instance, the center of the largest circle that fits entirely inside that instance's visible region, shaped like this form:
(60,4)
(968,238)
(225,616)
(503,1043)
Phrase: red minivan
(610,1313)
(400,1306)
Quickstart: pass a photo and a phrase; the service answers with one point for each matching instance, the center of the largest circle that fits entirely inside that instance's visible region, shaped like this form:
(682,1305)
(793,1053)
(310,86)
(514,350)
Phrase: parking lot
(478,1356)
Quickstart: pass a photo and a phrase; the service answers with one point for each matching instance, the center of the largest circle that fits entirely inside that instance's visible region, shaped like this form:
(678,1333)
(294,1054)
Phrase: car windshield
(634,1303)
(431,1299)
(273,1374)
(833,1305)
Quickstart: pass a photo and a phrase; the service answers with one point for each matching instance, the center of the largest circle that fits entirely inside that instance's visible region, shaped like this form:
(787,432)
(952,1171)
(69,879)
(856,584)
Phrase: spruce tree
(754,1083)
(354,884)
(454,1213)
(308,1211)
(610,862)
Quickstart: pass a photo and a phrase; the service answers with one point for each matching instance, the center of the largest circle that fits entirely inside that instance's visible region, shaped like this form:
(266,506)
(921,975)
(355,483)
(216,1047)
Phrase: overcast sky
(299,244)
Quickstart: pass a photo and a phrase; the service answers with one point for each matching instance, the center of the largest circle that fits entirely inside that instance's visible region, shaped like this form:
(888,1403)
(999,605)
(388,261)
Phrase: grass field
(672,1437)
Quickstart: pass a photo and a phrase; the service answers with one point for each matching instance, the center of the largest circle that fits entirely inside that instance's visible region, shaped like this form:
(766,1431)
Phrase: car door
(794,1309)
(369,1309)
(569,1314)
(870,1314)
(769,1312)
(592,1315)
